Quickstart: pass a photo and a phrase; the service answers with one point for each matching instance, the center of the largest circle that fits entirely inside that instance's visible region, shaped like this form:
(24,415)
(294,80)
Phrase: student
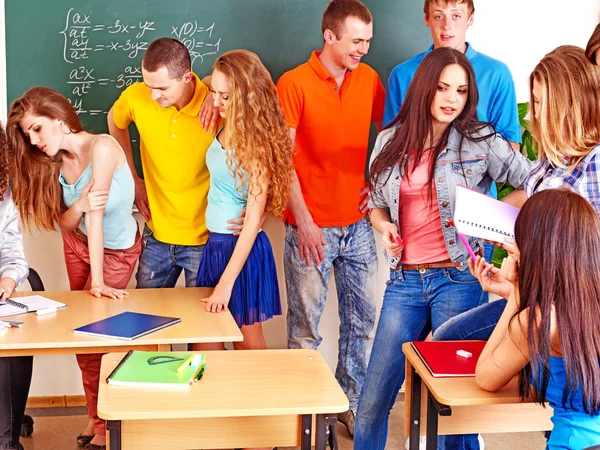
(172,195)
(414,171)
(250,164)
(549,332)
(592,51)
(15,371)
(329,104)
(565,102)
(81,182)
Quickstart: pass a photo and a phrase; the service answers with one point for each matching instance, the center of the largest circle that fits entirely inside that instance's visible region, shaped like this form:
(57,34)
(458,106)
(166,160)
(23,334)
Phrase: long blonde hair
(263,149)
(569,107)
(36,189)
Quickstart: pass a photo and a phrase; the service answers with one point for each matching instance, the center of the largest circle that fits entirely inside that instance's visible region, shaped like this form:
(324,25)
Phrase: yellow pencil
(186,363)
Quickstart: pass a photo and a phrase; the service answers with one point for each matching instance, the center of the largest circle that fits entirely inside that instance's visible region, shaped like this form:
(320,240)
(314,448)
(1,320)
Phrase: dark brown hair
(444,3)
(593,45)
(5,168)
(169,53)
(558,235)
(36,188)
(414,121)
(336,12)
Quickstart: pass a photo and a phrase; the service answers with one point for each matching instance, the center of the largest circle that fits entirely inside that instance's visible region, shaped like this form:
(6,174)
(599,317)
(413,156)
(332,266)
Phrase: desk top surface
(460,391)
(238,383)
(55,330)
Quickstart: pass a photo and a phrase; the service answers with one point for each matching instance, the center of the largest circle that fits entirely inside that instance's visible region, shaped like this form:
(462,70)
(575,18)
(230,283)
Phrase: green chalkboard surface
(90,50)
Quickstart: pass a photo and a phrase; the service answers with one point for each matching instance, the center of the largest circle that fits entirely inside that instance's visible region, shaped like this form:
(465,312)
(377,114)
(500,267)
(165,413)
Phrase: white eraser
(41,312)
(464,353)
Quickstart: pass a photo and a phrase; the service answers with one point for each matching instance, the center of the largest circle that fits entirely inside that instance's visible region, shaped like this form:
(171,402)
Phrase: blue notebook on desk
(127,326)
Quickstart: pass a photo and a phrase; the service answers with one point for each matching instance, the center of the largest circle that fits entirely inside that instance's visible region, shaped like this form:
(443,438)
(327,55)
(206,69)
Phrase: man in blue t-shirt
(448,21)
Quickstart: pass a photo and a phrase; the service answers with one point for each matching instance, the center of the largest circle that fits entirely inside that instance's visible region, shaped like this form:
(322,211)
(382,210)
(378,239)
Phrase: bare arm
(106,159)
(257,200)
(515,145)
(516,198)
(89,201)
(124,140)
(390,238)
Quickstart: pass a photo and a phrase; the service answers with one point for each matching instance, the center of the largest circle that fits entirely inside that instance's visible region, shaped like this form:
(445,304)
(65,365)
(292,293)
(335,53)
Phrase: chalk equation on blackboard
(84,40)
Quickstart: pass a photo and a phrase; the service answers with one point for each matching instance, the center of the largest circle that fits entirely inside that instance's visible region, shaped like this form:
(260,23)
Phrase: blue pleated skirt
(255,294)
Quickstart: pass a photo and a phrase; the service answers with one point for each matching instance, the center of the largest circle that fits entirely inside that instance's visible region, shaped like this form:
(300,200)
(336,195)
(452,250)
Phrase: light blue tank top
(225,201)
(119,225)
(573,428)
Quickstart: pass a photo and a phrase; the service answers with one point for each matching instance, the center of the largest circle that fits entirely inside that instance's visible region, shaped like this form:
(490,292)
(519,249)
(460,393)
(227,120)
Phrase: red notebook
(442,361)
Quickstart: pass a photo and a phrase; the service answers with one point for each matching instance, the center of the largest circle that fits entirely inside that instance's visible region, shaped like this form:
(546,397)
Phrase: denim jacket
(492,159)
(12,256)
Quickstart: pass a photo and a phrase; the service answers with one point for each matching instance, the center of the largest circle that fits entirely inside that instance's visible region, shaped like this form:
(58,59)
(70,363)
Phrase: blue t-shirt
(573,428)
(226,198)
(497,99)
(118,223)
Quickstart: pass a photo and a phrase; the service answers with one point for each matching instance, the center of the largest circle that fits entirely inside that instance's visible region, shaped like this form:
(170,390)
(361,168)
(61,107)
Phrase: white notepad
(31,303)
(482,216)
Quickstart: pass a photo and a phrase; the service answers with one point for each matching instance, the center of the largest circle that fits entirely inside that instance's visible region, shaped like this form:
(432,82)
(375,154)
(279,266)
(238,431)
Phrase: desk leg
(306,443)
(415,410)
(331,421)
(432,423)
(114,427)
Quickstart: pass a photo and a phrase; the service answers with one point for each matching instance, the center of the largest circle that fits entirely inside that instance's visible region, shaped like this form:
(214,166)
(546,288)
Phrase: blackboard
(91,50)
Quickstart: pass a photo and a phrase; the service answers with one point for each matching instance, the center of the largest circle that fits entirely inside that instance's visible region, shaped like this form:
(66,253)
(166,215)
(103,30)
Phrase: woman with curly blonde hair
(250,164)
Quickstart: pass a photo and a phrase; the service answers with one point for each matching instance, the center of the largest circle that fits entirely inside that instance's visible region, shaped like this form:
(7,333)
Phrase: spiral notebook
(22,305)
(482,216)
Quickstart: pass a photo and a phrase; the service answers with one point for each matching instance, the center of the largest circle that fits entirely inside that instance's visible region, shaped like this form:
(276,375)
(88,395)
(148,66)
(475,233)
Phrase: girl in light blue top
(250,164)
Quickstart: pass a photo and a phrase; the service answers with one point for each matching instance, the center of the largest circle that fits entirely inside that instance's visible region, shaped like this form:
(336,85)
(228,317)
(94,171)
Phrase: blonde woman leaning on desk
(63,176)
(549,332)
(15,371)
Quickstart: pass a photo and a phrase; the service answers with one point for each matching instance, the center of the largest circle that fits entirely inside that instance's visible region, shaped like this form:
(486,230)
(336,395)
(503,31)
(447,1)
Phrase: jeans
(352,253)
(15,378)
(161,263)
(415,302)
(476,324)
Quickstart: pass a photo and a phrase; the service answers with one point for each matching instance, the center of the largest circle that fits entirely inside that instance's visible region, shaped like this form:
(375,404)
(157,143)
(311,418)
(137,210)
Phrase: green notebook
(156,369)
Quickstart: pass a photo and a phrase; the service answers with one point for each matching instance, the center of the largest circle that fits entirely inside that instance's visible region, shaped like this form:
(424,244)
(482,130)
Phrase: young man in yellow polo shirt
(172,197)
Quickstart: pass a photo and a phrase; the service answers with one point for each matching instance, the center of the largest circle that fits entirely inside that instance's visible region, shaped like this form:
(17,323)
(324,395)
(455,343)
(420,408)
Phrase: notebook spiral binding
(495,230)
(16,304)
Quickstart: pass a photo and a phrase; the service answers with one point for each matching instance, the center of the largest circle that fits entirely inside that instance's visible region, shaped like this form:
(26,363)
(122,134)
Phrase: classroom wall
(515,31)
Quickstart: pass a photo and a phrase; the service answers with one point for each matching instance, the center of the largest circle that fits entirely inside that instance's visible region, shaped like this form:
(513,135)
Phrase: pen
(186,363)
(199,376)
(199,370)
(467,246)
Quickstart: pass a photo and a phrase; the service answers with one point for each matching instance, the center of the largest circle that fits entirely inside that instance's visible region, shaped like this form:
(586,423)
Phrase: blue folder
(127,325)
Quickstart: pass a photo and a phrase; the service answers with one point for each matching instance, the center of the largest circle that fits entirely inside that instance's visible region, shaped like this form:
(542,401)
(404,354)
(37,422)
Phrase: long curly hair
(36,189)
(5,167)
(256,128)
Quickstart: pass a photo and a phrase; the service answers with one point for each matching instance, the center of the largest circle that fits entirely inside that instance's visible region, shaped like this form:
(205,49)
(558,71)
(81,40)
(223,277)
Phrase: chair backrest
(35,281)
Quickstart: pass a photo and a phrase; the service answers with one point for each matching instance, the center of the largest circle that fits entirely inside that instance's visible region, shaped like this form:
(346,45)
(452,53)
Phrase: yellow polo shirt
(173,151)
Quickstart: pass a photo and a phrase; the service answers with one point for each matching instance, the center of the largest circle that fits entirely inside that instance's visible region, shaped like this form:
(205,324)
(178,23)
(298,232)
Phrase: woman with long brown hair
(434,144)
(250,164)
(549,332)
(63,176)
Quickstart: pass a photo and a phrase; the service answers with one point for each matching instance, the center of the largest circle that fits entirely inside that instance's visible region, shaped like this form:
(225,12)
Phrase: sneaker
(422,443)
(347,418)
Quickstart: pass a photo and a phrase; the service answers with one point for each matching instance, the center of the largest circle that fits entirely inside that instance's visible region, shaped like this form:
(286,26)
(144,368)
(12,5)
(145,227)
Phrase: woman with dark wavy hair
(15,371)
(434,144)
(549,332)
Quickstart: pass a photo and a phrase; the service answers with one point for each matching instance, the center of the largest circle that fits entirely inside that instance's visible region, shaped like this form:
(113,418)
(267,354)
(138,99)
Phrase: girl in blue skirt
(250,164)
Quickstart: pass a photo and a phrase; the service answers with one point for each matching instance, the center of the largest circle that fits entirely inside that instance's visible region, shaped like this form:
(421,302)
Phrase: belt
(81,235)
(446,264)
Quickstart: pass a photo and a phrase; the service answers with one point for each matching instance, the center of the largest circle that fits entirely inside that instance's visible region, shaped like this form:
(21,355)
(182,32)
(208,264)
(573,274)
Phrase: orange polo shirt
(332,134)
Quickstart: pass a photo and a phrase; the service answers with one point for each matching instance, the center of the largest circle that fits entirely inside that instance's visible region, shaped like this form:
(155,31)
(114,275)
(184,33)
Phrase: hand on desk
(218,300)
(7,286)
(102,290)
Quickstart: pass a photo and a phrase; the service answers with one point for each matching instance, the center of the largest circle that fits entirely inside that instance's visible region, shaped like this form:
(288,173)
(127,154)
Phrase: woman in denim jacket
(434,144)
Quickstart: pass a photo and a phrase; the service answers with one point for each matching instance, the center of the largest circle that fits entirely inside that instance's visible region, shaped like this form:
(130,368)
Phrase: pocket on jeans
(457,277)
(394,278)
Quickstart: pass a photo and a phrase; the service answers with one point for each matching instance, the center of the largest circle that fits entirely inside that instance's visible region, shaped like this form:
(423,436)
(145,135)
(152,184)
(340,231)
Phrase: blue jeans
(415,302)
(161,263)
(15,378)
(476,324)
(352,253)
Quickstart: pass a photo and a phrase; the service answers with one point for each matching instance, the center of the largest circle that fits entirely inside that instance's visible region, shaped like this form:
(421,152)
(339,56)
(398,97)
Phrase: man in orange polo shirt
(329,103)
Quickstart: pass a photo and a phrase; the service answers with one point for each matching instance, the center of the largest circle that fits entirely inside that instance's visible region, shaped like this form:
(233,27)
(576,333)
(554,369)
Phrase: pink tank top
(420,223)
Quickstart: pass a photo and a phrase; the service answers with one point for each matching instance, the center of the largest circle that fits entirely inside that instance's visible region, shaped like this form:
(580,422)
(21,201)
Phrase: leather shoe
(27,426)
(94,447)
(347,418)
(84,439)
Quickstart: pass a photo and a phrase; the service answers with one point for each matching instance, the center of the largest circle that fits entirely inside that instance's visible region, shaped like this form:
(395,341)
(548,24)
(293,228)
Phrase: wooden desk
(53,333)
(252,398)
(460,406)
